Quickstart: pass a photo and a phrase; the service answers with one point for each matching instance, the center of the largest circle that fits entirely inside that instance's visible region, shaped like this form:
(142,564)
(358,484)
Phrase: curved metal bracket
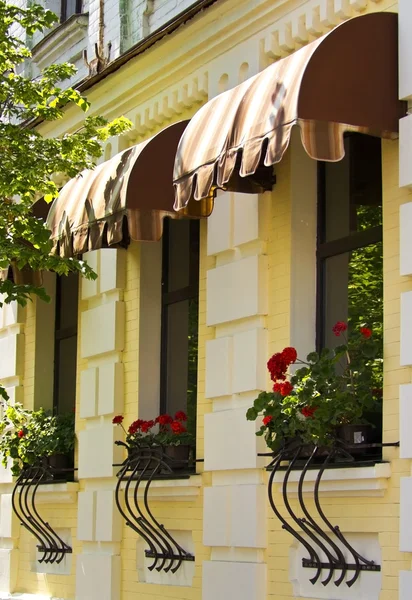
(139,470)
(306,530)
(52,548)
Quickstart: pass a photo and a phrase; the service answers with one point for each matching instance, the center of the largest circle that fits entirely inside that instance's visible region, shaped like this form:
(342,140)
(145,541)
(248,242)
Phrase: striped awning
(346,80)
(126,196)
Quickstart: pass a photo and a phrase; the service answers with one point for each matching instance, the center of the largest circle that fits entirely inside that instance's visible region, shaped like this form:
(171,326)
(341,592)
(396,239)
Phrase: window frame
(325,250)
(63,10)
(189,292)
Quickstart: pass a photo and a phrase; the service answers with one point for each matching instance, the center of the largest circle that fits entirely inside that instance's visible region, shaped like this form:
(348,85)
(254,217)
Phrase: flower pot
(177,457)
(59,465)
(145,457)
(353,435)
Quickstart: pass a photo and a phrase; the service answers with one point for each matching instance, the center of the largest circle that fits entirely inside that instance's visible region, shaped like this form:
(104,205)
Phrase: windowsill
(176,488)
(57,493)
(344,481)
(60,39)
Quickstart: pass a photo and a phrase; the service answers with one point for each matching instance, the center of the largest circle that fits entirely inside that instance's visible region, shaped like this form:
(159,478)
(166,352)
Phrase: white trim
(342,482)
(173,490)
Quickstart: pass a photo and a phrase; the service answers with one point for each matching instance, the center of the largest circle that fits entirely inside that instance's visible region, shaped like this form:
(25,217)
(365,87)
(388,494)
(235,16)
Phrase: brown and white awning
(345,81)
(128,195)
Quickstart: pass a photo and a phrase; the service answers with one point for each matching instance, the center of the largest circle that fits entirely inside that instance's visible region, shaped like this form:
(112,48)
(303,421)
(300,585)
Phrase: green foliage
(334,388)
(28,436)
(29,160)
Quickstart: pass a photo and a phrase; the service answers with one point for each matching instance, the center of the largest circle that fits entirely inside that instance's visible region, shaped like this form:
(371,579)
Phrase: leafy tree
(28,159)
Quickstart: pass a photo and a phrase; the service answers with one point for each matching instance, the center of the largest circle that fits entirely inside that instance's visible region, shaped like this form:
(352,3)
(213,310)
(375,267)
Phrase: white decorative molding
(405,224)
(341,482)
(405,154)
(60,40)
(173,490)
(405,585)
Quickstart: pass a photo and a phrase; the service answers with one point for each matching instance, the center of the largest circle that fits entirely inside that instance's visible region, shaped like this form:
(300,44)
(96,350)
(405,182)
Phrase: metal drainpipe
(101,28)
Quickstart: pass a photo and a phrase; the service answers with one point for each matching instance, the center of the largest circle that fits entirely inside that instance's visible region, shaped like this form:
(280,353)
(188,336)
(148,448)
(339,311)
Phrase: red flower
(177,428)
(267,420)
(135,426)
(277,367)
(118,420)
(21,433)
(309,411)
(286,388)
(290,355)
(366,332)
(277,388)
(164,419)
(339,328)
(146,426)
(180,416)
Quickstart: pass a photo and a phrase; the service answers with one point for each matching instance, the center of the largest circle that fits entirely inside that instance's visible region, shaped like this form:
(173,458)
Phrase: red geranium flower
(267,420)
(146,426)
(309,411)
(366,332)
(164,419)
(277,367)
(118,420)
(290,355)
(277,388)
(339,328)
(135,426)
(21,433)
(180,416)
(286,388)
(177,428)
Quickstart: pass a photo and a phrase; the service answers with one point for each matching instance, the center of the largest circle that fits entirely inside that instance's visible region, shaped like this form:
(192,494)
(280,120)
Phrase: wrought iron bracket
(329,540)
(52,548)
(139,470)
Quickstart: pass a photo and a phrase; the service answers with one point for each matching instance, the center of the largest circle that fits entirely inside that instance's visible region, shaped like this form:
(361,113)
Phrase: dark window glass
(70,8)
(65,349)
(350,257)
(180,310)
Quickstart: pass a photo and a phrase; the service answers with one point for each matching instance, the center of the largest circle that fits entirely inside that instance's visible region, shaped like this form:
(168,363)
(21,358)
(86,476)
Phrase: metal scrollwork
(140,469)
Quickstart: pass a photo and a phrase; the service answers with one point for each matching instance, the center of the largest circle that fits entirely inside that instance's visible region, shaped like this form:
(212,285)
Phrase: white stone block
(216,516)
(219,224)
(230,441)
(249,360)
(97,451)
(112,269)
(246,218)
(250,532)
(240,580)
(405,585)
(88,392)
(237,290)
(8,522)
(102,329)
(218,367)
(108,519)
(111,387)
(11,355)
(406,329)
(12,314)
(86,516)
(405,222)
(405,151)
(405,529)
(98,577)
(405,49)
(405,420)
(8,569)
(88,287)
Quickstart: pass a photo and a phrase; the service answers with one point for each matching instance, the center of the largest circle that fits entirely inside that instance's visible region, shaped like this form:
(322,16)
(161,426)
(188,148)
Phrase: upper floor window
(180,311)
(65,343)
(70,8)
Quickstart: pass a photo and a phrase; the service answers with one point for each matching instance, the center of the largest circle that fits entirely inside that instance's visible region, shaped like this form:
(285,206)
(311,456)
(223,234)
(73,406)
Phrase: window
(65,345)
(349,248)
(70,8)
(180,308)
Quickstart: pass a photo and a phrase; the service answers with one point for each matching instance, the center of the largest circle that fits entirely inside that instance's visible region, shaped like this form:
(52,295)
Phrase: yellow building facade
(257,294)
